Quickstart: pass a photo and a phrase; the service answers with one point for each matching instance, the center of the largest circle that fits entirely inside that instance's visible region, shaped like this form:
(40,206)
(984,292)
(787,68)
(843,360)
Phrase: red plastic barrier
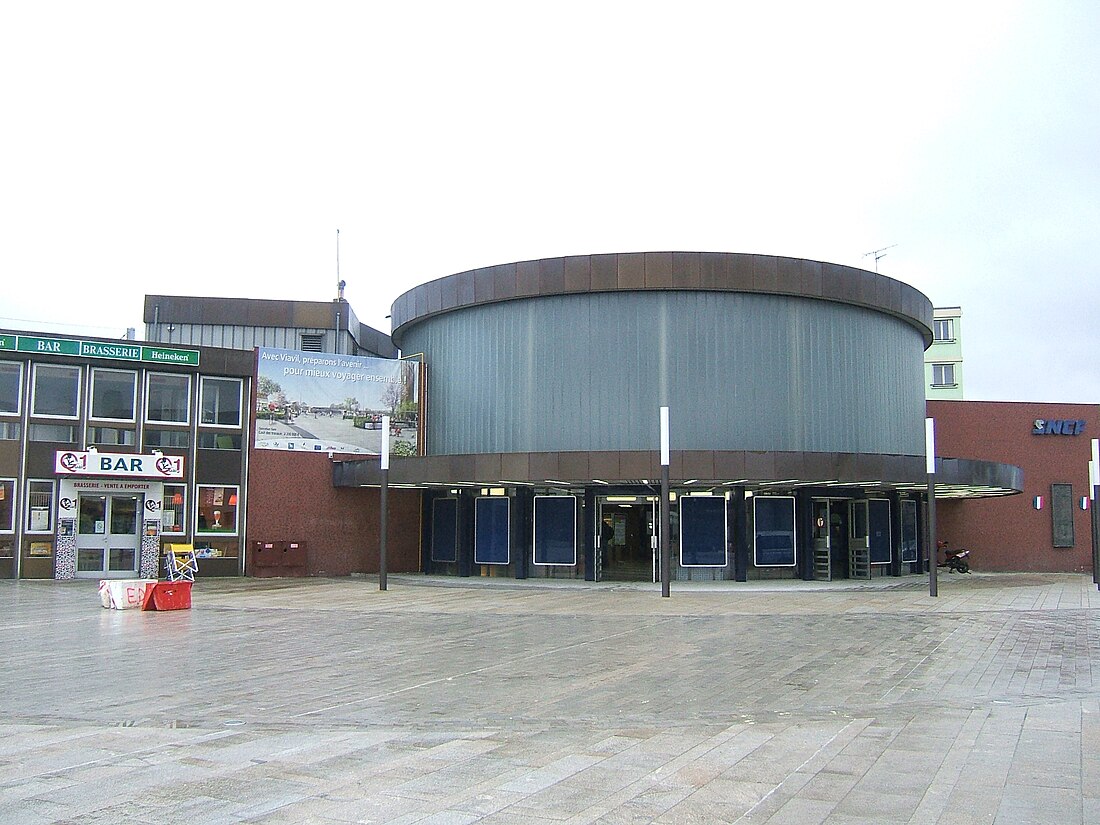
(172,596)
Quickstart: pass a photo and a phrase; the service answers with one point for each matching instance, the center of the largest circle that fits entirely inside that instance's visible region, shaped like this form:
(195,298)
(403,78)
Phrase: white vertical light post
(1094,493)
(383,501)
(666,565)
(930,466)
(1092,519)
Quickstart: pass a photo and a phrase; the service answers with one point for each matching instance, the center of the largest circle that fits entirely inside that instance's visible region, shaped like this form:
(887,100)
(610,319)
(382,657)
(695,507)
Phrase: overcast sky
(215,148)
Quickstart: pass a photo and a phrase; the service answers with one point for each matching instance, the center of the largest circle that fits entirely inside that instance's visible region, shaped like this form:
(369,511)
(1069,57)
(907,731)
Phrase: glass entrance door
(108,536)
(625,539)
(830,536)
(822,562)
(859,541)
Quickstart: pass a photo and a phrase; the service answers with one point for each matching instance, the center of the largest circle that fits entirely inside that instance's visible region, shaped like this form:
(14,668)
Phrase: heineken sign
(121,351)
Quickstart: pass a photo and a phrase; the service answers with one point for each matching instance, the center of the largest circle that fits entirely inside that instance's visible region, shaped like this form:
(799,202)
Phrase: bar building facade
(797,409)
(109,448)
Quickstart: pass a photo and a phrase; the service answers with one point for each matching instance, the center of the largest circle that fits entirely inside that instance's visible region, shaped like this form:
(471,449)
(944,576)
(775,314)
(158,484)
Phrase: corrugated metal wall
(241,337)
(740,371)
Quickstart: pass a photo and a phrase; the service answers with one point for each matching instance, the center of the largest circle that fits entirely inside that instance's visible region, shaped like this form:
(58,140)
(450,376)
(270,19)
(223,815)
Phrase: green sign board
(118,351)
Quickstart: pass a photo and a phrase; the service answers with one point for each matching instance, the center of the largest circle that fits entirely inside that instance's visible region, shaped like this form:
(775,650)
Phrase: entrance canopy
(955,478)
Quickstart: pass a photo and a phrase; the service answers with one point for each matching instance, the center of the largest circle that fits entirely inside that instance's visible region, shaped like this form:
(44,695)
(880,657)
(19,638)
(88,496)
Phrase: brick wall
(291,498)
(1008,534)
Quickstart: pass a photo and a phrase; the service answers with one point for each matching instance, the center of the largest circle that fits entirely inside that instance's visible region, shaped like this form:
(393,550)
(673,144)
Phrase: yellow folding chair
(180,562)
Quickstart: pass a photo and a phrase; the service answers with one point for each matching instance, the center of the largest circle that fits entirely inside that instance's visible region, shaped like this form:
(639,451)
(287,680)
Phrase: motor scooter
(955,559)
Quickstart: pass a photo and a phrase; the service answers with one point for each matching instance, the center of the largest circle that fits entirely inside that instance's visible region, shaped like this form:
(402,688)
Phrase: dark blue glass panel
(702,531)
(445,529)
(774,520)
(878,533)
(555,530)
(491,530)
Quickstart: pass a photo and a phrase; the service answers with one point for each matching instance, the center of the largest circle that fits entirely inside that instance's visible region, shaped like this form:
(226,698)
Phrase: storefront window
(39,506)
(113,394)
(217,549)
(56,391)
(7,505)
(221,401)
(169,398)
(217,510)
(172,508)
(11,387)
(10,430)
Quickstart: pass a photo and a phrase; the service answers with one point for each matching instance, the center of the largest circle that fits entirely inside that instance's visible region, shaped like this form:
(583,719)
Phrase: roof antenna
(879,254)
(339,283)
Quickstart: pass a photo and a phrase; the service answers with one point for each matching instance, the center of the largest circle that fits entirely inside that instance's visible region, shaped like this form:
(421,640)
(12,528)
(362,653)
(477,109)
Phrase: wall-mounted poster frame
(704,533)
(774,533)
(491,530)
(555,530)
(445,530)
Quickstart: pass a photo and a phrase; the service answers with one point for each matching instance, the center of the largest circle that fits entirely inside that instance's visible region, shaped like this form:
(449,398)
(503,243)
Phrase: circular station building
(796,403)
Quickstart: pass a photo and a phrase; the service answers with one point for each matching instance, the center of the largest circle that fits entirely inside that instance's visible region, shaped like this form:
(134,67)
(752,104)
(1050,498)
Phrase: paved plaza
(449,701)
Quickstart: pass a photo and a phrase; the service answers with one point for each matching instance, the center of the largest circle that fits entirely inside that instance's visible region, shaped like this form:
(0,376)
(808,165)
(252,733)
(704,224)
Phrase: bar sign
(49,346)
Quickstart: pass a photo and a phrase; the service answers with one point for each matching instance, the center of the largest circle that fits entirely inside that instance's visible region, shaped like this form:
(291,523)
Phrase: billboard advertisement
(321,402)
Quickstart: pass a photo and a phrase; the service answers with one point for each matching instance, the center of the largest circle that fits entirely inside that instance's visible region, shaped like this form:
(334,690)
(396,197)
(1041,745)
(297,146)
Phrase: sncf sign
(1059,426)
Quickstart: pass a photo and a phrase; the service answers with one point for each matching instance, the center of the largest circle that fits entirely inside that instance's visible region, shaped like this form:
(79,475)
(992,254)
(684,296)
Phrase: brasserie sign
(121,351)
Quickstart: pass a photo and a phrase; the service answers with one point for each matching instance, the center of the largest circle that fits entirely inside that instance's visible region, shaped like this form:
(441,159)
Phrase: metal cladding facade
(750,352)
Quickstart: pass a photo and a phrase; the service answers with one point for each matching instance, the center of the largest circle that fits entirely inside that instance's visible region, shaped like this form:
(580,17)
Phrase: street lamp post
(1094,493)
(930,461)
(666,564)
(384,460)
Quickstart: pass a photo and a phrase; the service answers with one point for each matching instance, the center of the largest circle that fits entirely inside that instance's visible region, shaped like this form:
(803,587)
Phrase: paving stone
(456,701)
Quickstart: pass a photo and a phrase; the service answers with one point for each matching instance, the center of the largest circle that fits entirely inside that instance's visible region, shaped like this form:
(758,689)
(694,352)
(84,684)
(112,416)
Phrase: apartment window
(169,398)
(56,391)
(11,387)
(7,505)
(110,436)
(312,342)
(39,506)
(172,508)
(221,401)
(113,394)
(180,439)
(943,329)
(219,441)
(943,375)
(60,433)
